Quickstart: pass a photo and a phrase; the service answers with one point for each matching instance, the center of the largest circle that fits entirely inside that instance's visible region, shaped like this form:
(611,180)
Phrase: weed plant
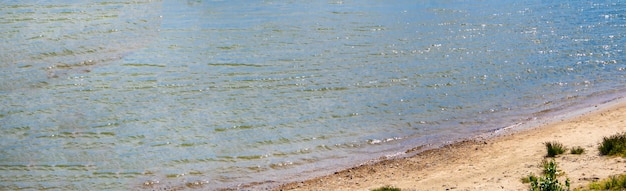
(614,145)
(554,148)
(530,178)
(577,150)
(549,180)
(549,168)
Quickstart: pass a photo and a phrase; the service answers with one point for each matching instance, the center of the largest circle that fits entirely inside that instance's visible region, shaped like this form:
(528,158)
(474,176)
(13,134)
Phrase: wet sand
(495,163)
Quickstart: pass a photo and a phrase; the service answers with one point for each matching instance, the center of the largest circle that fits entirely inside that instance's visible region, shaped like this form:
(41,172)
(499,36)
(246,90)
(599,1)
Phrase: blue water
(218,94)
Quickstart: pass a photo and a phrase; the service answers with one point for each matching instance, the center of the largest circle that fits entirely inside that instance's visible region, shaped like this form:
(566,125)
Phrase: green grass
(577,150)
(387,188)
(530,178)
(612,183)
(549,180)
(554,148)
(614,145)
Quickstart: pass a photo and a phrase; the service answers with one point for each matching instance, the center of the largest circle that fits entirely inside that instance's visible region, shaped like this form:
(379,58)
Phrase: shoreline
(495,160)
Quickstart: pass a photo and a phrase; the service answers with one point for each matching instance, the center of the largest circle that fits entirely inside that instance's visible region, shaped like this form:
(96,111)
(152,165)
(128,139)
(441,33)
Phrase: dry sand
(496,163)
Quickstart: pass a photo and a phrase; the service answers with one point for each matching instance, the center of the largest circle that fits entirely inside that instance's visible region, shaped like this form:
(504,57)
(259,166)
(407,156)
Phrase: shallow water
(211,94)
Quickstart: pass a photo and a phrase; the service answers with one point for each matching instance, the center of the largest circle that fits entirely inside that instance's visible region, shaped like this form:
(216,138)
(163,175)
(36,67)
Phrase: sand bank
(496,163)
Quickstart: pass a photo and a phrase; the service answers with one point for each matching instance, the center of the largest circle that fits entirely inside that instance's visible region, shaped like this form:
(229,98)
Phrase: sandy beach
(495,163)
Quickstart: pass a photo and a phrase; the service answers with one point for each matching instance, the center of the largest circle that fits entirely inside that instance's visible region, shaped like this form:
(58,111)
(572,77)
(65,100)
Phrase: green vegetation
(612,183)
(549,180)
(614,145)
(387,188)
(577,150)
(554,148)
(530,178)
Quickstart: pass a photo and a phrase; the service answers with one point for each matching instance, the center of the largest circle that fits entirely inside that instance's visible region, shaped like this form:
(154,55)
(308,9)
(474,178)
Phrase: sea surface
(143,95)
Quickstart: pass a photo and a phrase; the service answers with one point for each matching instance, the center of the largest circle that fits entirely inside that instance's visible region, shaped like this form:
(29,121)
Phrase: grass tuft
(577,150)
(554,148)
(530,178)
(614,145)
(387,188)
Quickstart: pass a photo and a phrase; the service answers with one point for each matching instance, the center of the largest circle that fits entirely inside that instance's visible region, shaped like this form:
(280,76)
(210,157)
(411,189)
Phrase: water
(212,94)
